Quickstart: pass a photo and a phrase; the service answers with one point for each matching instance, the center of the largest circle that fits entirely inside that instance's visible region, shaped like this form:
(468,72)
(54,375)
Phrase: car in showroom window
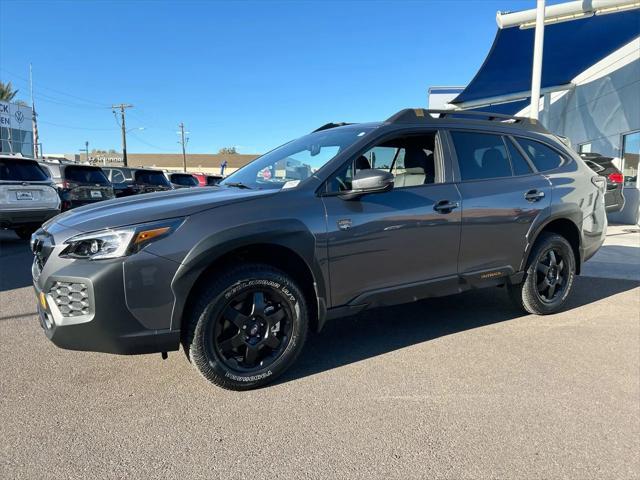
(295,161)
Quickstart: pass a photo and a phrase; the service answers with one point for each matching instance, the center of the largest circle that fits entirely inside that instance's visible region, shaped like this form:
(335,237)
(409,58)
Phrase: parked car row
(33,191)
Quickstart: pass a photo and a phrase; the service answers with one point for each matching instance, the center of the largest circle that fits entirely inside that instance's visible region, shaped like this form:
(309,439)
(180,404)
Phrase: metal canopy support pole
(538,46)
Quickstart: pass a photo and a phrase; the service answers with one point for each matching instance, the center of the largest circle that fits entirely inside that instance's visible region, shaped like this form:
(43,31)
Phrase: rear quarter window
(21,170)
(543,157)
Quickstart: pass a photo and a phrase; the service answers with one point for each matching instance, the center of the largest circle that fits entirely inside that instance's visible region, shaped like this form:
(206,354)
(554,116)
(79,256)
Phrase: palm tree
(7,93)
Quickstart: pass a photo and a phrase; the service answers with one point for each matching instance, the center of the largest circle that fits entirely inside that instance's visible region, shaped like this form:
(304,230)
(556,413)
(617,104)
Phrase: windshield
(152,178)
(21,170)
(85,175)
(296,160)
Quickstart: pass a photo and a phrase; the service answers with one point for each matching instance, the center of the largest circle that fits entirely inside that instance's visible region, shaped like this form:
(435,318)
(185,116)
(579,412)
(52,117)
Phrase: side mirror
(369,181)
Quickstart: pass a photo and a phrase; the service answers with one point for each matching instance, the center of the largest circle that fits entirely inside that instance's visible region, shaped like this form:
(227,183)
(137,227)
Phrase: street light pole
(86,147)
(122,108)
(538,47)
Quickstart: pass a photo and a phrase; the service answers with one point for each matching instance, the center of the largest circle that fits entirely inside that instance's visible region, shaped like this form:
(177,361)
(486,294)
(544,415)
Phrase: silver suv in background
(27,195)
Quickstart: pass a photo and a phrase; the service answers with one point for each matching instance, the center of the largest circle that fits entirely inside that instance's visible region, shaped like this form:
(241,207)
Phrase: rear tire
(247,327)
(548,278)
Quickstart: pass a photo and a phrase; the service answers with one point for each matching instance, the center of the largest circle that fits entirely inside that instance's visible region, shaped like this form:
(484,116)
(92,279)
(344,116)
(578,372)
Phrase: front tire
(247,327)
(548,278)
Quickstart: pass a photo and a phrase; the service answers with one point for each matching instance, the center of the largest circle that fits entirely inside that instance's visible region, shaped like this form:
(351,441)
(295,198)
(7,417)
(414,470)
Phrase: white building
(16,129)
(590,86)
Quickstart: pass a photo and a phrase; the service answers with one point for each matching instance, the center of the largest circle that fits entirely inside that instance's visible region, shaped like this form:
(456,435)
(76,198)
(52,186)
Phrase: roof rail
(329,125)
(416,115)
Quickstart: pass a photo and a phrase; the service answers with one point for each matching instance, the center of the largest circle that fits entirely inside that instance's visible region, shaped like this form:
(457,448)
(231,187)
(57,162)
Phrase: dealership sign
(15,116)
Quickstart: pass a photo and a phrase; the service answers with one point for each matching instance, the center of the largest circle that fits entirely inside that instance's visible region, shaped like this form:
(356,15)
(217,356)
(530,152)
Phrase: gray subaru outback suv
(344,219)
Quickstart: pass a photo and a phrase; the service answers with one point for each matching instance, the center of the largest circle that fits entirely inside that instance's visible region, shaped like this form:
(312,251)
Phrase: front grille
(71,298)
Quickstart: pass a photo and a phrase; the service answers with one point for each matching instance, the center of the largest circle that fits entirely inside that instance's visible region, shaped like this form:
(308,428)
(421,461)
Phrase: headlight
(117,242)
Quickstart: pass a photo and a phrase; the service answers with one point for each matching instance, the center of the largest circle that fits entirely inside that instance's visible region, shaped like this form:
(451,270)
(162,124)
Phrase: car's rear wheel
(548,278)
(247,327)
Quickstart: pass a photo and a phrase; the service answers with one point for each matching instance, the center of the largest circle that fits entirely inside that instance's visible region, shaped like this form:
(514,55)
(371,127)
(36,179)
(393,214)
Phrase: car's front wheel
(247,327)
(548,278)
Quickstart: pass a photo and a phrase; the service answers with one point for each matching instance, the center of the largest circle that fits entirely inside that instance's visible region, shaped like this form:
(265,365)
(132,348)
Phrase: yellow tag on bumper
(43,300)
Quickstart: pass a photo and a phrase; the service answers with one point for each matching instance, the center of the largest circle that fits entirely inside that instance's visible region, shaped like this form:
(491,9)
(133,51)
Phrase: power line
(100,104)
(156,147)
(76,128)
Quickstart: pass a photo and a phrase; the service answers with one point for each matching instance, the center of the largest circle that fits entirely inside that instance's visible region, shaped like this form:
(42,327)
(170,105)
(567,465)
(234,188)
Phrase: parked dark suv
(79,184)
(132,181)
(603,166)
(388,213)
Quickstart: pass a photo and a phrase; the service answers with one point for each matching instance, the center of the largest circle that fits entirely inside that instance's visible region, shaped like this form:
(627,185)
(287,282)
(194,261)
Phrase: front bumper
(114,306)
(15,218)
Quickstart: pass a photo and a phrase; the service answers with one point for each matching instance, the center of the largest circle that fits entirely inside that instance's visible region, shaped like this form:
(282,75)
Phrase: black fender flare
(568,212)
(290,234)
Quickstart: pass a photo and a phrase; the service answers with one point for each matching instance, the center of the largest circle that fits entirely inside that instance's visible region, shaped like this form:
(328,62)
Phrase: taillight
(616,177)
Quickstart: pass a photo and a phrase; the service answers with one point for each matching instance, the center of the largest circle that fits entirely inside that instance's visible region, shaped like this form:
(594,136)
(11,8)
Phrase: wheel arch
(290,249)
(565,226)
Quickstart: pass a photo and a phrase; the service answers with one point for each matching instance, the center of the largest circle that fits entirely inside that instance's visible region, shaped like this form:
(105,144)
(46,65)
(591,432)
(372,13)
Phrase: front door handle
(445,206)
(533,195)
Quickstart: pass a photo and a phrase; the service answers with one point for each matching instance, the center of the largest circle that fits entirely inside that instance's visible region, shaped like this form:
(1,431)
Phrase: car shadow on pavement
(382,330)
(15,262)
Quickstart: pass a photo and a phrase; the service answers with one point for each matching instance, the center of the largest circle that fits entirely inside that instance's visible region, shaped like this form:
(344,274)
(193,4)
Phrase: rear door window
(21,171)
(85,175)
(481,155)
(518,162)
(543,157)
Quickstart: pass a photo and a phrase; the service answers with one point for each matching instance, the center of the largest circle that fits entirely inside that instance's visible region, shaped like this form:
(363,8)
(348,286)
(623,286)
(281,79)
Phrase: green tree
(228,151)
(7,93)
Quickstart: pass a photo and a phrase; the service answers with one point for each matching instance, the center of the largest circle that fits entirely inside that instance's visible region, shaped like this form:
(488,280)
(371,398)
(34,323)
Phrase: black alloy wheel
(551,275)
(252,330)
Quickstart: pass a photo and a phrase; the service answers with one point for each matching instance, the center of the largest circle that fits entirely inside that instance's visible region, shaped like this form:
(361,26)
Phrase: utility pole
(122,107)
(34,121)
(86,148)
(183,141)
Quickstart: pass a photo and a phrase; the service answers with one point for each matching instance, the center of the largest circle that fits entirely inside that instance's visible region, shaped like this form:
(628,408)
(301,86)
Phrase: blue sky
(249,74)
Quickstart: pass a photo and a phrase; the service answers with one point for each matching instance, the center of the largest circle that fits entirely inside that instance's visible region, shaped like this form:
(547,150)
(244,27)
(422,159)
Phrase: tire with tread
(525,294)
(209,303)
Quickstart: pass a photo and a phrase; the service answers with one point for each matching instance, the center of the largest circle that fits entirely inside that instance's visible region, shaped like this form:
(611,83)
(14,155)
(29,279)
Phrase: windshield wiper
(238,185)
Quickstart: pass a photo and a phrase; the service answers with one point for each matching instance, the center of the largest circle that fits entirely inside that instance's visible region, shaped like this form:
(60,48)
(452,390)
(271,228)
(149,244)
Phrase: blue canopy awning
(569,49)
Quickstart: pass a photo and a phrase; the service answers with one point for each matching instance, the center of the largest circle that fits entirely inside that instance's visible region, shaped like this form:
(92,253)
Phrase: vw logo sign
(19,116)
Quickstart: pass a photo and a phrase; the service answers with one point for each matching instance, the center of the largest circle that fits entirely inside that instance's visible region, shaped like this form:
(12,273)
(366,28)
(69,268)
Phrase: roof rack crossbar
(411,115)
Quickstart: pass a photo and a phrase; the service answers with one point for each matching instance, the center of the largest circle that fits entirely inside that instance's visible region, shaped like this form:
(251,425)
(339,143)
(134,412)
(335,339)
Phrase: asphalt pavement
(463,387)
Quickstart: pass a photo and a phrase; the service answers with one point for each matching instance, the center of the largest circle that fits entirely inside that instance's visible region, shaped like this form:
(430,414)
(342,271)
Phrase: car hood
(150,207)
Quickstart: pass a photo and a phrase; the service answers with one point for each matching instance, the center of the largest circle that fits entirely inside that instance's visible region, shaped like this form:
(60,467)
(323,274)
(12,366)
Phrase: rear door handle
(533,195)
(445,206)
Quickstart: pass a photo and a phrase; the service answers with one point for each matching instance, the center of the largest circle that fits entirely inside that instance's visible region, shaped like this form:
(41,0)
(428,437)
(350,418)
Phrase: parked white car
(27,195)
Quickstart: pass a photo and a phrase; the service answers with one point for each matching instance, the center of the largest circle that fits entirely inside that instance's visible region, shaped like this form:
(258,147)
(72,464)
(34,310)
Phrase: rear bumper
(16,218)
